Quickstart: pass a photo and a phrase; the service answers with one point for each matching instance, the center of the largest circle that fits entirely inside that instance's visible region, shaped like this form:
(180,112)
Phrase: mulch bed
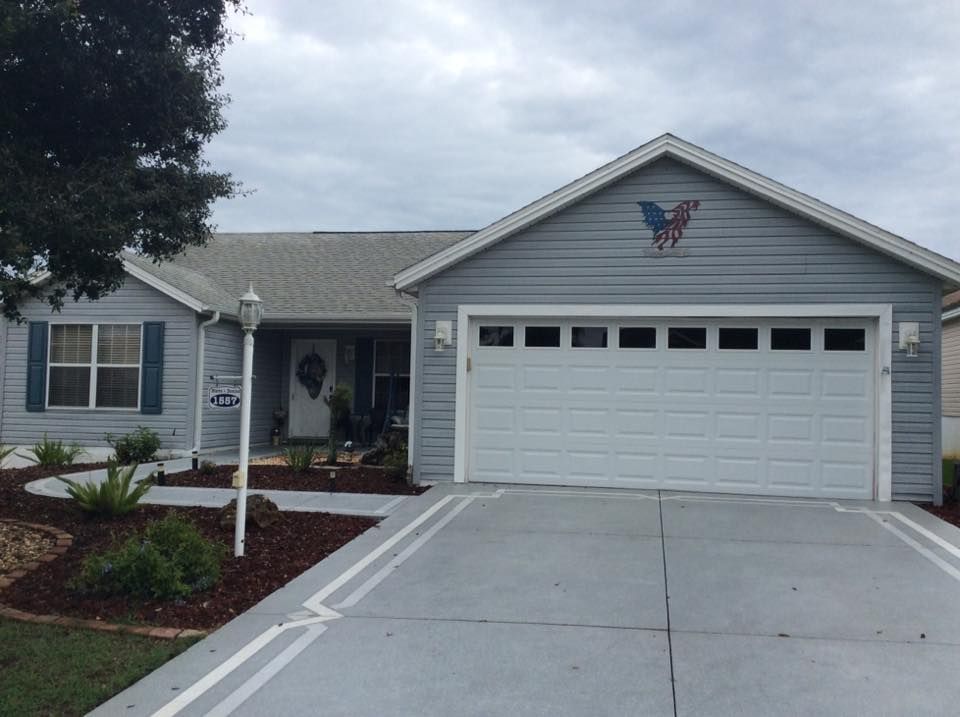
(274,556)
(949,511)
(350,479)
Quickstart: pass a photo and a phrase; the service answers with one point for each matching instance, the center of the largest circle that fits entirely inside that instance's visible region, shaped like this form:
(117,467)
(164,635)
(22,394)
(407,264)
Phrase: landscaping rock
(261,511)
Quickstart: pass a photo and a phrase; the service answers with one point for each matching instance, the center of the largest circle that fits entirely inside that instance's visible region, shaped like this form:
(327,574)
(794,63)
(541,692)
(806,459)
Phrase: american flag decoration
(667,228)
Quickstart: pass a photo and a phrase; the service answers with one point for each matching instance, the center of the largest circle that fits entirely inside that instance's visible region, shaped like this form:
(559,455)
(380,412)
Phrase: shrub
(117,495)
(54,454)
(339,401)
(395,461)
(140,446)
(169,560)
(207,468)
(299,458)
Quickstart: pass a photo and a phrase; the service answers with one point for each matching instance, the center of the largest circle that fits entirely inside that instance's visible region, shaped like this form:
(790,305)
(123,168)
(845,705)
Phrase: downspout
(412,302)
(198,404)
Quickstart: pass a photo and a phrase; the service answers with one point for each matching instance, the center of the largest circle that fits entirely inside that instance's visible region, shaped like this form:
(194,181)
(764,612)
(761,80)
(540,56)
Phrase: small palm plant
(6,452)
(54,454)
(115,496)
(300,458)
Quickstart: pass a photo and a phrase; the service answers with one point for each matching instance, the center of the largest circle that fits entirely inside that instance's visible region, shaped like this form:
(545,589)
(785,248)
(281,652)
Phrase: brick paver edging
(63,542)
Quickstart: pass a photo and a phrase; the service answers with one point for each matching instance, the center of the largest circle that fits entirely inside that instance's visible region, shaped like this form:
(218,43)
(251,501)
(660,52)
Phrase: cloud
(420,114)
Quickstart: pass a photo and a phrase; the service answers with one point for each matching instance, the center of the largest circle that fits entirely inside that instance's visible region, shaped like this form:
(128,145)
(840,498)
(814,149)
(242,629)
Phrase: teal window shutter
(363,383)
(151,368)
(37,366)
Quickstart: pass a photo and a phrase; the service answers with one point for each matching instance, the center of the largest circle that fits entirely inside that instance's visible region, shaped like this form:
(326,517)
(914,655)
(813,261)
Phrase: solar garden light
(251,312)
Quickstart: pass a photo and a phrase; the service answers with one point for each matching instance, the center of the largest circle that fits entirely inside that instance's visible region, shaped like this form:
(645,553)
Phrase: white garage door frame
(881,313)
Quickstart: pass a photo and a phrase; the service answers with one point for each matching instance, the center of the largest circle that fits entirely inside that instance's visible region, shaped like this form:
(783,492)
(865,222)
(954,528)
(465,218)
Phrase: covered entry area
(785,401)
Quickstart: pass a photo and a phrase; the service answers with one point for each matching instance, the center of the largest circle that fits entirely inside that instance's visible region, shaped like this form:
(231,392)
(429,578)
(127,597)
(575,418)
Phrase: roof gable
(669,146)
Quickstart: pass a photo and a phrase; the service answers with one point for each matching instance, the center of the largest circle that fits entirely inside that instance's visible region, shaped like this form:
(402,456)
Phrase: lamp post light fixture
(251,312)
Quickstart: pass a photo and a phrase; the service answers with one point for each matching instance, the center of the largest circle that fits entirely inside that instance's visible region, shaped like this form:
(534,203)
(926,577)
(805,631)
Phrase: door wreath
(310,372)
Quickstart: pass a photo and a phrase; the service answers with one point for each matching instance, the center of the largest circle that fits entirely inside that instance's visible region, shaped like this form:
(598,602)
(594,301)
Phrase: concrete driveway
(522,601)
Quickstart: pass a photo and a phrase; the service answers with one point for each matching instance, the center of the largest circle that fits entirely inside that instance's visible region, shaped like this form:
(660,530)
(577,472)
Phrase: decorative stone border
(63,543)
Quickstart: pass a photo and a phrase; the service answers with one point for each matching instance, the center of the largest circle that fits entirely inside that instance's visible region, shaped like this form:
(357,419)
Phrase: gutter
(414,305)
(952,313)
(199,398)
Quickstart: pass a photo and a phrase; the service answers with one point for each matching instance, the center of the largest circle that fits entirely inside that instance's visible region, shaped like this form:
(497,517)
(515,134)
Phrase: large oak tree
(105,107)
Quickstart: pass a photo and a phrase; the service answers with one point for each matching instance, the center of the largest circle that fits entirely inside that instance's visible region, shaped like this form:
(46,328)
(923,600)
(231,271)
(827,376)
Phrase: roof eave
(669,146)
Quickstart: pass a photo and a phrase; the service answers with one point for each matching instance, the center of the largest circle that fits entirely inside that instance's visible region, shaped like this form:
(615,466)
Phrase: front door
(313,374)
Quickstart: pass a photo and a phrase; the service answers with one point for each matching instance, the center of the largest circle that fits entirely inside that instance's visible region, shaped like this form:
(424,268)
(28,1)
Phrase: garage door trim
(882,313)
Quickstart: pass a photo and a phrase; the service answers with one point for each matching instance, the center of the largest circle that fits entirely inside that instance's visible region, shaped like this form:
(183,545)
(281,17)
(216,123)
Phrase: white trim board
(669,146)
(882,313)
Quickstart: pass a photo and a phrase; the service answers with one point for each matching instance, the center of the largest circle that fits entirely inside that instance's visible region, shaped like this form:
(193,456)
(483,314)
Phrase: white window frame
(93,366)
(881,313)
(376,375)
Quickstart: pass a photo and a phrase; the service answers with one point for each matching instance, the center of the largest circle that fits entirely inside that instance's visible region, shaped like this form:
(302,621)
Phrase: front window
(391,372)
(94,366)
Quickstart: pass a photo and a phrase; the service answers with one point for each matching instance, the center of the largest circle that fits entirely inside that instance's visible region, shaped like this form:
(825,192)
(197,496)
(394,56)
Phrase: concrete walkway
(524,601)
(365,504)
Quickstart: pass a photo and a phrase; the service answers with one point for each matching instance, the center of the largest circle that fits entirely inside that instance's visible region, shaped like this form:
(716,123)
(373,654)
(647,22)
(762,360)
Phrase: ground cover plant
(114,496)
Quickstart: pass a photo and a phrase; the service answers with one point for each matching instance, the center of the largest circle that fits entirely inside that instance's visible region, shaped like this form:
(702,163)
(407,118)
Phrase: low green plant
(170,559)
(395,461)
(116,495)
(6,452)
(139,446)
(53,454)
(300,458)
(339,401)
(207,468)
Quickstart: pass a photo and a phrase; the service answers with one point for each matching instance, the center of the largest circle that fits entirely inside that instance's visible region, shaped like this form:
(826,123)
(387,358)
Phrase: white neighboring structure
(951,375)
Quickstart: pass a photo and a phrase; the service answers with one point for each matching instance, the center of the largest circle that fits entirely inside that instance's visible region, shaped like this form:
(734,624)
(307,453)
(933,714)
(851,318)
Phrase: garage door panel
(760,421)
(687,381)
(738,383)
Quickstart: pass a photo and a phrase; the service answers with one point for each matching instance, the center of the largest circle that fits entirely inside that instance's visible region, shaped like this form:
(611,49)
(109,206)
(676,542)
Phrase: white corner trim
(164,288)
(462,337)
(668,145)
(882,313)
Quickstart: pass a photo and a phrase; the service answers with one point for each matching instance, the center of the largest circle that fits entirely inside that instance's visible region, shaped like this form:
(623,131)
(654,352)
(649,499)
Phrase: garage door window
(588,337)
(638,337)
(733,339)
(542,337)
(790,339)
(844,340)
(683,337)
(496,336)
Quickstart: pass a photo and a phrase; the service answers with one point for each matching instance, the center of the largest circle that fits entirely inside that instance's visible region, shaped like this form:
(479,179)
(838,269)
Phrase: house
(950,377)
(671,320)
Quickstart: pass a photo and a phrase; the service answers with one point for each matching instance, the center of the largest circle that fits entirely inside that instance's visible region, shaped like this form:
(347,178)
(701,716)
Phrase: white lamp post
(251,311)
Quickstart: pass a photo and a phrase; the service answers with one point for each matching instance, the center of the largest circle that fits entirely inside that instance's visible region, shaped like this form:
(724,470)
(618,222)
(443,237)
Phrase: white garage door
(765,406)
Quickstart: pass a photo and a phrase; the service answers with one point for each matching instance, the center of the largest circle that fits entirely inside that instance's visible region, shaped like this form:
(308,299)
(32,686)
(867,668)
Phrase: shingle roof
(301,275)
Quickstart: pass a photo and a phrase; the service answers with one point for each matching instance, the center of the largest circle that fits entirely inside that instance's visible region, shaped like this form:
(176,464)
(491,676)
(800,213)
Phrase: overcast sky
(432,114)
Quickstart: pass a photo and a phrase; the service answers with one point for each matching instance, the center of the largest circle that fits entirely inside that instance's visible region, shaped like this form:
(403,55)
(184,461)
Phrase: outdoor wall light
(442,335)
(909,332)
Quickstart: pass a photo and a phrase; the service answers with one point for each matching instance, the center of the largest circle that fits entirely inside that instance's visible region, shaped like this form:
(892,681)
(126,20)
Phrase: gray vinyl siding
(224,357)
(135,302)
(741,249)
(951,368)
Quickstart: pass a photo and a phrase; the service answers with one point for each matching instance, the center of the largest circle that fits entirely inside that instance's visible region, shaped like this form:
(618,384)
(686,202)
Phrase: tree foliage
(105,107)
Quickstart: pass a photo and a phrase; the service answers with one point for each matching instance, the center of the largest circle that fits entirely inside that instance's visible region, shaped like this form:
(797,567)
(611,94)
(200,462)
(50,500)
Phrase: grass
(51,670)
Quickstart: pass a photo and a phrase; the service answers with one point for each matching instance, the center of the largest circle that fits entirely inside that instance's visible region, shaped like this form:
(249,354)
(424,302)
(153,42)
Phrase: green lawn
(49,670)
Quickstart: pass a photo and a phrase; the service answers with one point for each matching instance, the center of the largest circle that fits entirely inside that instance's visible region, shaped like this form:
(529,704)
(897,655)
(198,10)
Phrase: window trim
(93,367)
(755,329)
(376,374)
(823,339)
(656,337)
(606,337)
(498,347)
(558,325)
(811,335)
(706,337)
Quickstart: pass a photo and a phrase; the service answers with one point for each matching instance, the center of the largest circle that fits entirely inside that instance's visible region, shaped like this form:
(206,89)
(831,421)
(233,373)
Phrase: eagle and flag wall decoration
(667,225)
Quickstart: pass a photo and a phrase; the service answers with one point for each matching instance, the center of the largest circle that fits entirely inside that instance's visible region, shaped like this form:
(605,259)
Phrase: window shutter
(37,365)
(363,385)
(151,371)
